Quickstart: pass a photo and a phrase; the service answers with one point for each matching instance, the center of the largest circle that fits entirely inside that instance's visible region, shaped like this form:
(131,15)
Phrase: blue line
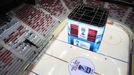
(112,57)
(99,53)
(62,41)
(34,72)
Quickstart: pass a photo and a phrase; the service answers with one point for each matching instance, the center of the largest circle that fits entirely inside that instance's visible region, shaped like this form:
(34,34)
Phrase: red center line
(65,61)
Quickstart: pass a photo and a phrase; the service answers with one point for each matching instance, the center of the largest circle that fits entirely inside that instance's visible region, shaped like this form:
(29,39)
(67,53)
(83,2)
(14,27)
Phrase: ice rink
(112,57)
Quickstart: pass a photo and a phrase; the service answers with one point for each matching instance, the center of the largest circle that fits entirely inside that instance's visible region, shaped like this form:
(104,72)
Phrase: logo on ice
(81,66)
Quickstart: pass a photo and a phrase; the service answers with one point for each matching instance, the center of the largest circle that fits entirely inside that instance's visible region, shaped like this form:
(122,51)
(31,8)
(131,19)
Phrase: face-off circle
(81,66)
(111,38)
